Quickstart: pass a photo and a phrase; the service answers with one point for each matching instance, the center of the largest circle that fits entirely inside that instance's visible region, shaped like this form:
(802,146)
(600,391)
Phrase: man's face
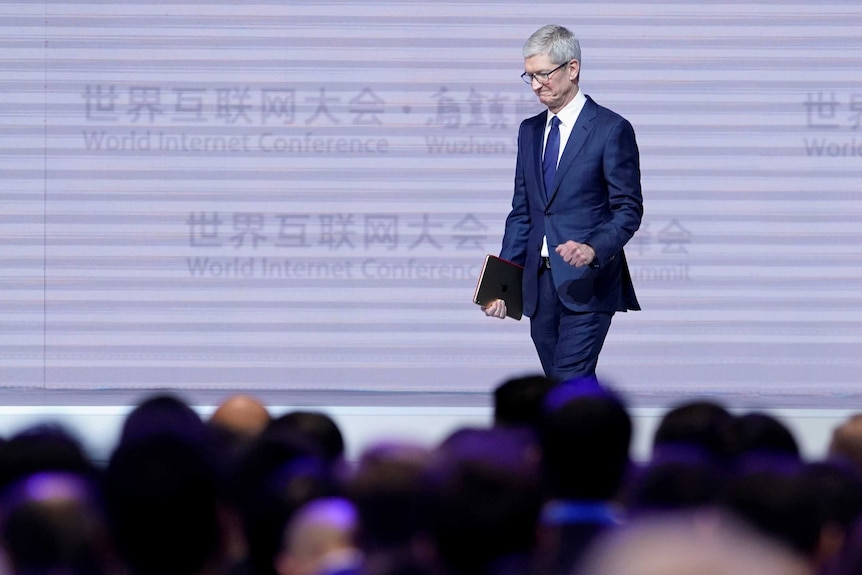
(560,88)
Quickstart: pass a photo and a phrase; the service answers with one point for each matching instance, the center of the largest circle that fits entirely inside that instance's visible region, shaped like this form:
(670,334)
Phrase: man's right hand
(497,308)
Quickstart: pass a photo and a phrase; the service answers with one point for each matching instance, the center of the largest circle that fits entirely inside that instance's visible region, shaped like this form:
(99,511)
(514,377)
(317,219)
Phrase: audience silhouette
(547,487)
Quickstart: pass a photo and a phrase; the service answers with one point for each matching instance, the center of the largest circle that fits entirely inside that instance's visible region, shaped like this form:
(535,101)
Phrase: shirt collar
(569,114)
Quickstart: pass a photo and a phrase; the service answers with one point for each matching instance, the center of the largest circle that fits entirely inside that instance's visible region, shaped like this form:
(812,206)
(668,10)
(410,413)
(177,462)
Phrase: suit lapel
(577,138)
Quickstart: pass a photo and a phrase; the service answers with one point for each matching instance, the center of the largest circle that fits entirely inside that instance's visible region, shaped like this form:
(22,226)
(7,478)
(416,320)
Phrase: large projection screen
(291,195)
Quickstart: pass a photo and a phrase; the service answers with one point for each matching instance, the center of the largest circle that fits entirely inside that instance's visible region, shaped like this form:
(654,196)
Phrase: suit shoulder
(606,114)
(533,120)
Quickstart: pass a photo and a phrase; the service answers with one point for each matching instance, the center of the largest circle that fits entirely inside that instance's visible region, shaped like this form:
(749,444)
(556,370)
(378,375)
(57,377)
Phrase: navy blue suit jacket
(596,199)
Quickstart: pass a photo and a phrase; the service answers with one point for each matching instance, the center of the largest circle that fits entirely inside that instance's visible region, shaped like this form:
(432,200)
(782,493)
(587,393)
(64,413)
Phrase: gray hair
(557,42)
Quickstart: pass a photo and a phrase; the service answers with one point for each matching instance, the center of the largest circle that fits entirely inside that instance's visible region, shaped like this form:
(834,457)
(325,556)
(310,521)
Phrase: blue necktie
(552,150)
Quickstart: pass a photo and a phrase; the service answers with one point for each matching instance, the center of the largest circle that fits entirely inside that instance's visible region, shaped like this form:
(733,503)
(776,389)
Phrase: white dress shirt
(568,116)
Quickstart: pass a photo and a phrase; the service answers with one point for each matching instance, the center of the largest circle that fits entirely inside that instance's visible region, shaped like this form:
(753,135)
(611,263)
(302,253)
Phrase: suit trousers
(568,342)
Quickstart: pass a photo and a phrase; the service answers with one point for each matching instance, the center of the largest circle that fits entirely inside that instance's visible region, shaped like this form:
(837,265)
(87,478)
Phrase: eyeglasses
(541,77)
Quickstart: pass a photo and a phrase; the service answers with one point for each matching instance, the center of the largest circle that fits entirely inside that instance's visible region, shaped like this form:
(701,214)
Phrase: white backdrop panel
(296,195)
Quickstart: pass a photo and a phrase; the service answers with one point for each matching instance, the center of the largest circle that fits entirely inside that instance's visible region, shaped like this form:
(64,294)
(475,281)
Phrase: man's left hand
(575,254)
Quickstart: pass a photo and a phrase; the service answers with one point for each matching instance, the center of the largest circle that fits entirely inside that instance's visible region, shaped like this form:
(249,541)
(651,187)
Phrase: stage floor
(366,418)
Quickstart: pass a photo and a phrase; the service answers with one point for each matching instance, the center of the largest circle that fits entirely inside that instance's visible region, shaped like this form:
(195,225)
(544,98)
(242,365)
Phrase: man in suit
(573,210)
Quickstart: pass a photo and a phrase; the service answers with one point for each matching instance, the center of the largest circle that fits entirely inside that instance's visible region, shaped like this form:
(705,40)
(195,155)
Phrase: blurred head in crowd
(242,415)
(519,400)
(759,432)
(846,442)
(319,539)
(700,424)
(316,427)
(163,414)
(162,495)
(44,447)
(676,478)
(771,493)
(280,471)
(486,498)
(671,544)
(585,438)
(53,523)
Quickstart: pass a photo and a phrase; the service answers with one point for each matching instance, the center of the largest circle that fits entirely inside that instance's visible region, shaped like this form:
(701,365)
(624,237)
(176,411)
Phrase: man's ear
(574,70)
